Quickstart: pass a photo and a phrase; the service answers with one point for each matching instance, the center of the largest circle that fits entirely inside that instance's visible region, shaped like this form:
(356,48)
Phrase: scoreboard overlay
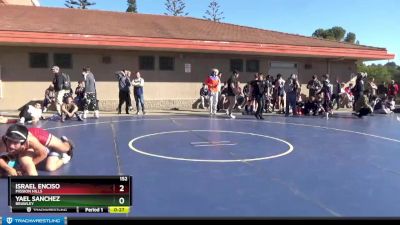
(70,194)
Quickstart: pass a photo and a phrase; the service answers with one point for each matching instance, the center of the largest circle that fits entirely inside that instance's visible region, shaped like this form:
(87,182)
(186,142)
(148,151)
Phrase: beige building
(174,54)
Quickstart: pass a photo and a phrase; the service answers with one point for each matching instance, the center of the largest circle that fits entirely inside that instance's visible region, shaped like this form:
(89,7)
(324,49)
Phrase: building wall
(163,89)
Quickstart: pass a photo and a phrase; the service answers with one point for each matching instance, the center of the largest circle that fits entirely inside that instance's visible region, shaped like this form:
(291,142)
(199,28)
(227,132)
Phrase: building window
(253,66)
(106,59)
(63,60)
(167,63)
(237,64)
(146,62)
(39,60)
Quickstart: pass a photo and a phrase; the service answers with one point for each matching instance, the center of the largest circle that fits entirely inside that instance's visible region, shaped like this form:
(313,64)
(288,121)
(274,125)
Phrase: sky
(375,22)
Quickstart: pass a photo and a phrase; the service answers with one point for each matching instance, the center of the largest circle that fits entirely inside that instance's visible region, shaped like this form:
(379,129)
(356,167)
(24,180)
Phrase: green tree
(132,7)
(379,72)
(319,33)
(350,38)
(79,4)
(175,8)
(337,32)
(213,12)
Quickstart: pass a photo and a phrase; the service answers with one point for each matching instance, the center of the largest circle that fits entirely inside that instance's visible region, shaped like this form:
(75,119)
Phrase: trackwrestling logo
(33,220)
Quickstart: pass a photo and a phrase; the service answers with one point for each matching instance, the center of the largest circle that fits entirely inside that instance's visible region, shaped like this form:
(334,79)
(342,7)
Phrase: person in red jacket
(213,82)
(393,89)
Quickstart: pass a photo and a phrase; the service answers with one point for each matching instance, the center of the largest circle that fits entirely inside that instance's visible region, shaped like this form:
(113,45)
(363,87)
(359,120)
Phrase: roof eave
(123,42)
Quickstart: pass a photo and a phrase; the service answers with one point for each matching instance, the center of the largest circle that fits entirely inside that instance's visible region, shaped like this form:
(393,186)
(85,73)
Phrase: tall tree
(175,8)
(338,33)
(319,33)
(80,4)
(335,33)
(325,34)
(350,38)
(132,6)
(214,12)
(379,72)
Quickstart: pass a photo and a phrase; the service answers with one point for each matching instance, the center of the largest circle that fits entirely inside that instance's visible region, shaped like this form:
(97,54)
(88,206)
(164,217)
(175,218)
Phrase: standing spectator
(221,93)
(124,84)
(49,97)
(382,89)
(247,98)
(371,86)
(90,100)
(213,83)
(259,88)
(60,80)
(204,95)
(314,86)
(326,91)
(337,92)
(231,92)
(291,87)
(69,109)
(280,90)
(80,94)
(393,89)
(138,84)
(269,105)
(358,89)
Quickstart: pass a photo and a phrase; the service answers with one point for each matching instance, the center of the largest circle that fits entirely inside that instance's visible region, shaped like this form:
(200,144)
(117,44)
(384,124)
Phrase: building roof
(128,27)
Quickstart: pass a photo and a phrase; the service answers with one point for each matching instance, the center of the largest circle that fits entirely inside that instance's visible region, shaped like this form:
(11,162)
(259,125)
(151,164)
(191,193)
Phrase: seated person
(310,106)
(68,93)
(300,105)
(80,95)
(31,113)
(362,107)
(319,103)
(380,107)
(347,96)
(69,109)
(222,99)
(49,97)
(22,149)
(390,103)
(204,96)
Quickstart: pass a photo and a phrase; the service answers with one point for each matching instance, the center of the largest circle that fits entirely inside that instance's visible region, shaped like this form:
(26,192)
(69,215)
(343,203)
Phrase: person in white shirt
(138,84)
(31,113)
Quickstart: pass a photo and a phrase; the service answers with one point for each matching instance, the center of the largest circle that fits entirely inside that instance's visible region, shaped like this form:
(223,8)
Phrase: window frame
(251,61)
(143,66)
(33,55)
(232,67)
(63,65)
(165,68)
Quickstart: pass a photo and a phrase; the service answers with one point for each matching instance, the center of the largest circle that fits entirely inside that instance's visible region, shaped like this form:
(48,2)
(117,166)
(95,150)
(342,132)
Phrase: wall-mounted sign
(188,68)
